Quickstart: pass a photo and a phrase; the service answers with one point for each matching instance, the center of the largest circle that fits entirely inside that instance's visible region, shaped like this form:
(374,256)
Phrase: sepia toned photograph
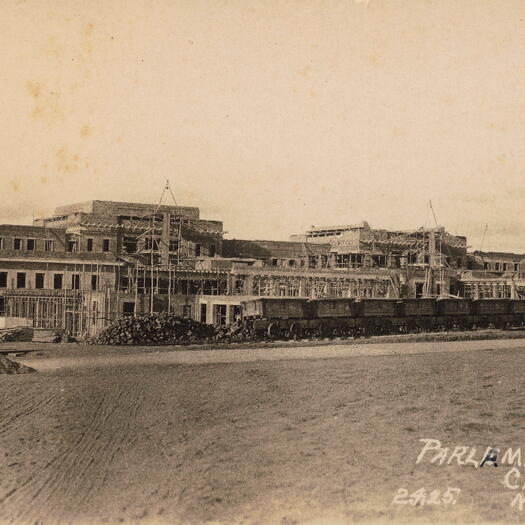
(262,262)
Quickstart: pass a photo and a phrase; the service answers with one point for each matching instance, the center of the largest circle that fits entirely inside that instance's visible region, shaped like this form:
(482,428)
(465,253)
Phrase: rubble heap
(12,367)
(14,334)
(154,329)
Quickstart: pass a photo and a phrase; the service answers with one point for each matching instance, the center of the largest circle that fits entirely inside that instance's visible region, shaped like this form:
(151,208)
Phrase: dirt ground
(287,441)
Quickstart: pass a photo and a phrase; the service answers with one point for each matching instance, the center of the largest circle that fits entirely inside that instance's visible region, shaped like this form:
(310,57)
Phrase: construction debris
(42,335)
(12,367)
(15,334)
(154,329)
(235,332)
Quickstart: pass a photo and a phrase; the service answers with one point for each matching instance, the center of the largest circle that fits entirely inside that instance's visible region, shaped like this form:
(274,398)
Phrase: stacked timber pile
(154,329)
(15,334)
(12,367)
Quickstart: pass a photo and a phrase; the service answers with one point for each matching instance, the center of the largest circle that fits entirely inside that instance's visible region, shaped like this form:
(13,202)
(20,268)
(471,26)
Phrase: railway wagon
(418,307)
(517,306)
(417,314)
(517,310)
(338,307)
(491,306)
(276,317)
(295,318)
(378,316)
(454,307)
(498,313)
(333,317)
(275,308)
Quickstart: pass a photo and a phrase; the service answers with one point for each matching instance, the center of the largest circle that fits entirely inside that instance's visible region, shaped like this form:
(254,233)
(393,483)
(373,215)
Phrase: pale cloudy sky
(270,115)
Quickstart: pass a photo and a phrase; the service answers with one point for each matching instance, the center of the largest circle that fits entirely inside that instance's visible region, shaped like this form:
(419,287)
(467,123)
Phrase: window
(94,282)
(497,266)
(505,267)
(212,250)
(105,245)
(89,246)
(220,314)
(235,312)
(203,313)
(174,246)
(20,279)
(72,246)
(75,281)
(149,243)
(130,245)
(197,250)
(48,245)
(57,281)
(3,279)
(30,245)
(486,265)
(516,267)
(39,280)
(291,262)
(274,262)
(128,308)
(1,243)
(18,244)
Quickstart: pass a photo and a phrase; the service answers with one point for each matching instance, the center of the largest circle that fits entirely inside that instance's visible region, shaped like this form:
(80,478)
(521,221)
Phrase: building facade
(92,262)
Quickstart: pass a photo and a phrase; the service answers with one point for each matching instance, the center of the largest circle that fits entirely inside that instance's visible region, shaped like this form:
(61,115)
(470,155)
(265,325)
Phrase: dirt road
(266,437)
(119,356)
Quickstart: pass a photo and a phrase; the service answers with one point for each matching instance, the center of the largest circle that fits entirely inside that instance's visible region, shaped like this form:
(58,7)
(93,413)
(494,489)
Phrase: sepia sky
(271,115)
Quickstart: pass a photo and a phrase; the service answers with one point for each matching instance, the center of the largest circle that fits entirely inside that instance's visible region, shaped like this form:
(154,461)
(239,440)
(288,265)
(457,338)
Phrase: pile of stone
(235,332)
(12,367)
(159,328)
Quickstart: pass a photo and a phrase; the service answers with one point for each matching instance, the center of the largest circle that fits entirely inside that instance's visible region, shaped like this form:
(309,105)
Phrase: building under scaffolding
(92,262)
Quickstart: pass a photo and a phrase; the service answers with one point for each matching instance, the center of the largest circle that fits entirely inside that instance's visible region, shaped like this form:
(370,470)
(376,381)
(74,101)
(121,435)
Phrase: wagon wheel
(273,331)
(337,332)
(295,332)
(323,331)
(411,326)
(498,323)
(387,327)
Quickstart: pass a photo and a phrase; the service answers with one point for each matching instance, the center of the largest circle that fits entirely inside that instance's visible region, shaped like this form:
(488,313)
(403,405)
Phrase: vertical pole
(169,287)
(136,287)
(151,262)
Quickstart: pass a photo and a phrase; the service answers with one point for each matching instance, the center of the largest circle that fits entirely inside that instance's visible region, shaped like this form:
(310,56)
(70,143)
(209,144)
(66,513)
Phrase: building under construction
(92,262)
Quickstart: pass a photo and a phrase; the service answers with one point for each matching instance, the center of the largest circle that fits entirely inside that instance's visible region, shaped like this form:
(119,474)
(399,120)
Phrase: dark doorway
(128,308)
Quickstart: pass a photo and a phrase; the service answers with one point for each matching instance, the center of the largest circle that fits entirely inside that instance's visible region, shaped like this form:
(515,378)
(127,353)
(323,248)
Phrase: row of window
(21,244)
(58,281)
(73,246)
(130,245)
(501,266)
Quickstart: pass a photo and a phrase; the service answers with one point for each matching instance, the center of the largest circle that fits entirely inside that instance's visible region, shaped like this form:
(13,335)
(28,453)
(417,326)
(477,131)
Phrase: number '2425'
(424,497)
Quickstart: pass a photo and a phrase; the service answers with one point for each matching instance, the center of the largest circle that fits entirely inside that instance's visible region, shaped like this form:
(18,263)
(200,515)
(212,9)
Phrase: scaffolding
(77,313)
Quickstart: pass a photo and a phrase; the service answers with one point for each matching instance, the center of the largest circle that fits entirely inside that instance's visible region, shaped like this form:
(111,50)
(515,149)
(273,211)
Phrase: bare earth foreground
(318,435)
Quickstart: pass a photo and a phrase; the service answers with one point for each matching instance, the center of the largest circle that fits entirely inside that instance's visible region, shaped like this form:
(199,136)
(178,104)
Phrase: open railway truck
(295,318)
